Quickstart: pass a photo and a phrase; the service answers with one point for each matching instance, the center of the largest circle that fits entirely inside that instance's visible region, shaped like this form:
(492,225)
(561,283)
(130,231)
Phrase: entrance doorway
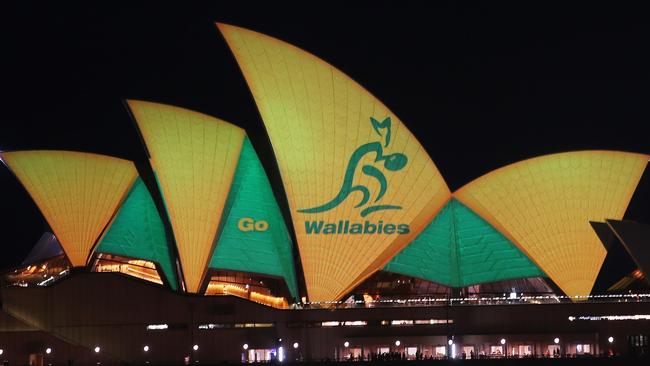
(525,350)
(261,355)
(468,352)
(411,353)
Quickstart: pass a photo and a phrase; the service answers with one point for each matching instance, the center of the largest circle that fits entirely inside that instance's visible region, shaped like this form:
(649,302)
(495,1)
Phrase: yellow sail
(194,157)
(545,204)
(345,161)
(77,193)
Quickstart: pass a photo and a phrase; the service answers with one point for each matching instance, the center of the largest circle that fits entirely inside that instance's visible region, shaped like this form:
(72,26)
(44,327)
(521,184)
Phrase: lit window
(220,285)
(330,324)
(583,348)
(401,322)
(355,323)
(144,270)
(213,326)
(253,325)
(157,327)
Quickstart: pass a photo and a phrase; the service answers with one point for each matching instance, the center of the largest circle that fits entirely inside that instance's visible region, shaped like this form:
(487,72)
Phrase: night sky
(480,87)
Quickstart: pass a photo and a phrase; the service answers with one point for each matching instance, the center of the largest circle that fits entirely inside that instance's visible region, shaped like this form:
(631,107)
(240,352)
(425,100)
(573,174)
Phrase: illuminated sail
(544,206)
(458,249)
(359,184)
(137,231)
(78,193)
(243,247)
(194,157)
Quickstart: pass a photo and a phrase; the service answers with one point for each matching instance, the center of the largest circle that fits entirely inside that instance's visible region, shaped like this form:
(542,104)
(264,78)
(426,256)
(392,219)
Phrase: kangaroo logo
(392,162)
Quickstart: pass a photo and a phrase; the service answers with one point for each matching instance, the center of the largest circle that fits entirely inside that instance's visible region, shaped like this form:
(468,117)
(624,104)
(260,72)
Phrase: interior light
(97,349)
(503,341)
(610,339)
(145,348)
(245,346)
(195,347)
(332,323)
(157,326)
(295,345)
(346,344)
(556,340)
(397,343)
(48,350)
(450,342)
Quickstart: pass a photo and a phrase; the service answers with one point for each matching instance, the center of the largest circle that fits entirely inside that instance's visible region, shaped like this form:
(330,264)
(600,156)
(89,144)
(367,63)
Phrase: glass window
(525,350)
(441,351)
(496,350)
(583,348)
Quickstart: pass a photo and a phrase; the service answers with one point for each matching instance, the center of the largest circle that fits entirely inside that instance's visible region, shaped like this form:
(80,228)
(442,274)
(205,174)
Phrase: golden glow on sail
(194,157)
(545,204)
(77,193)
(317,119)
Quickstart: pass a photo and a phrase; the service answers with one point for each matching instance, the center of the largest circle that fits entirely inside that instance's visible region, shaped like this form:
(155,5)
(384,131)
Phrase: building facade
(372,254)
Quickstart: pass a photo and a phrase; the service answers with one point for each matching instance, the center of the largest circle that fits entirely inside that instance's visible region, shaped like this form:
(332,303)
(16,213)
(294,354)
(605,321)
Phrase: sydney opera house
(195,261)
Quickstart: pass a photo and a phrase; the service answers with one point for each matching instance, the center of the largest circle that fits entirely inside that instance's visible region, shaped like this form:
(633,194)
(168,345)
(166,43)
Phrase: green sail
(458,248)
(138,232)
(266,252)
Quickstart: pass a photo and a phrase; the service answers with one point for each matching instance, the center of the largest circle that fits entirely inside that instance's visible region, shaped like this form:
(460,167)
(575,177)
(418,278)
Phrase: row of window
(325,324)
(362,323)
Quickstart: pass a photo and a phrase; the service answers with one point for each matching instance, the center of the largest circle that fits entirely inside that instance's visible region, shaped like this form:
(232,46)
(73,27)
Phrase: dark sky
(480,87)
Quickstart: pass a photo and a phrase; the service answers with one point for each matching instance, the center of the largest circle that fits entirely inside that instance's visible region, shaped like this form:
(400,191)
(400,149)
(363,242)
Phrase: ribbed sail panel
(348,164)
(138,232)
(254,237)
(458,249)
(77,193)
(432,254)
(194,157)
(544,206)
(484,254)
